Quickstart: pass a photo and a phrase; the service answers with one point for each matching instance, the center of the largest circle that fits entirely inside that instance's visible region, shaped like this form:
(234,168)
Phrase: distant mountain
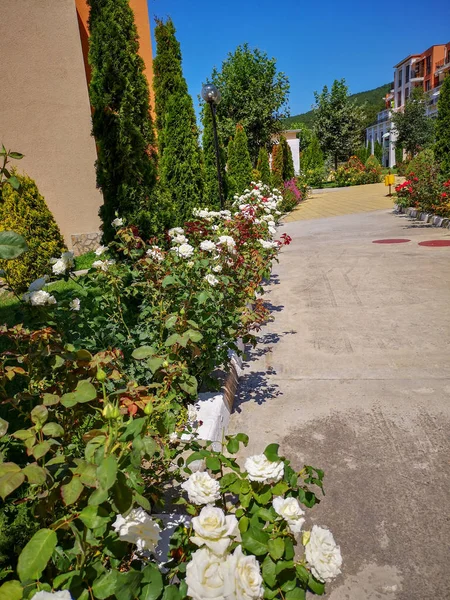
(373,98)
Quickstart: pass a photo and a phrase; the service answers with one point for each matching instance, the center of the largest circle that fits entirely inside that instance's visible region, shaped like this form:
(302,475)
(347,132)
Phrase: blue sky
(313,42)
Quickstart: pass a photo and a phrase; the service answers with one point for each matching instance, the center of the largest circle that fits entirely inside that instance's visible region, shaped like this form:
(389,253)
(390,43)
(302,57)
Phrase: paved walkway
(342,201)
(353,376)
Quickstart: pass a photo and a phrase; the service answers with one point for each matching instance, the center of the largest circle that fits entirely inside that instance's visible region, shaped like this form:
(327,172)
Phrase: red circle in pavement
(435,243)
(392,241)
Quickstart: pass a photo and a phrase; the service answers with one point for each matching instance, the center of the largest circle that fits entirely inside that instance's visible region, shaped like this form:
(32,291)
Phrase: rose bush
(95,399)
(354,172)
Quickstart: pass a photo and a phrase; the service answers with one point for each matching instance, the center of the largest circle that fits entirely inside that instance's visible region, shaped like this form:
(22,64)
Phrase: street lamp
(211,96)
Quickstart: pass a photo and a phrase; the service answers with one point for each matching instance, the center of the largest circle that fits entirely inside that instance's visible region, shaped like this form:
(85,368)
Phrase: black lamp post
(211,95)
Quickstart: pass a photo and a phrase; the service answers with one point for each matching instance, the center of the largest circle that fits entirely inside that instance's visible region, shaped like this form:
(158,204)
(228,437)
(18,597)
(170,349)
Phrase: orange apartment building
(45,111)
(426,70)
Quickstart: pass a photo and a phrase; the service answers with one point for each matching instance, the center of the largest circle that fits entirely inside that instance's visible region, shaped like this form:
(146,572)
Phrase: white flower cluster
(210,215)
(61,595)
(138,528)
(184,250)
(103,265)
(322,553)
(215,573)
(156,253)
(39,298)
(62,264)
(117,222)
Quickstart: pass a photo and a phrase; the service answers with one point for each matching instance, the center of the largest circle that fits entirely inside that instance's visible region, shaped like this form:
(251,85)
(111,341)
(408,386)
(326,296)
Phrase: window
(400,77)
(406,94)
(399,99)
(427,85)
(407,73)
(428,65)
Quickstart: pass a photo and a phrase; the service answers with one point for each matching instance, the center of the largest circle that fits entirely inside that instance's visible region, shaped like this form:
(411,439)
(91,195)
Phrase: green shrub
(398,154)
(262,166)
(25,211)
(239,166)
(378,151)
(442,146)
(423,172)
(288,161)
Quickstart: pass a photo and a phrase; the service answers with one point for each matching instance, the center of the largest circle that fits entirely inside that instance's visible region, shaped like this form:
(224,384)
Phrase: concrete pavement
(353,376)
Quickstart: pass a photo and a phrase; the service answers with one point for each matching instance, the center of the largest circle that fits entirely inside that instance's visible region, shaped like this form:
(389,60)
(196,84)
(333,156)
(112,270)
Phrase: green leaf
(195,336)
(105,585)
(39,414)
(23,434)
(3,427)
(276,548)
(85,391)
(53,430)
(12,244)
(71,491)
(168,280)
(302,573)
(233,446)
(242,437)
(268,572)
(128,584)
(50,399)
(155,363)
(41,450)
(11,590)
(280,488)
(15,155)
(171,592)
(243,524)
(296,594)
(94,516)
(153,583)
(189,385)
(174,338)
(171,321)
(203,297)
(107,472)
(34,557)
(35,474)
(143,352)
(271,452)
(10,482)
(255,541)
(289,549)
(316,586)
(213,464)
(8,467)
(121,494)
(265,515)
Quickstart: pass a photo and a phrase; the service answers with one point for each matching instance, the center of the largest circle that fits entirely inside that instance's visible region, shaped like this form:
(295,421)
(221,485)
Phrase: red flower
(444,195)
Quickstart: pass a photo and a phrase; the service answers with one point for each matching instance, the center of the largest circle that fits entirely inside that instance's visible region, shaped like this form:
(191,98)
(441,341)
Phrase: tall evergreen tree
(239,167)
(415,130)
(277,166)
(122,124)
(378,151)
(180,157)
(442,146)
(212,196)
(312,157)
(288,161)
(338,121)
(167,71)
(263,166)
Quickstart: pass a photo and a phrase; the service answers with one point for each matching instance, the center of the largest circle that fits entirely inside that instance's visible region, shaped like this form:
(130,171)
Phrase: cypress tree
(122,124)
(378,151)
(312,157)
(181,162)
(239,166)
(263,166)
(168,75)
(277,166)
(180,158)
(288,161)
(442,129)
(212,197)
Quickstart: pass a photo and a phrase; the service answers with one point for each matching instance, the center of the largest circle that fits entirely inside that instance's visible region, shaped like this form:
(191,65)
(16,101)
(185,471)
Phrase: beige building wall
(45,111)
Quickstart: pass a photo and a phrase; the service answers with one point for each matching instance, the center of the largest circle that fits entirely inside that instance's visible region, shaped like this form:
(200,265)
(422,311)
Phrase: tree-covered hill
(372,98)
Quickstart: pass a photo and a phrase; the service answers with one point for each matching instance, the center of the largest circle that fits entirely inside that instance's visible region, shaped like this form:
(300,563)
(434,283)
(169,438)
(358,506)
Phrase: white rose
(185,250)
(323,554)
(209,576)
(100,250)
(156,253)
(59,267)
(213,529)
(62,595)
(202,488)
(208,246)
(138,528)
(228,241)
(38,284)
(75,304)
(248,579)
(117,222)
(103,265)
(268,245)
(290,510)
(175,231)
(179,239)
(217,269)
(260,468)
(192,413)
(39,298)
(211,279)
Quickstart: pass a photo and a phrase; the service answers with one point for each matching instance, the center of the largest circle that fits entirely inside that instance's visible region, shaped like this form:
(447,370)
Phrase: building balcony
(416,77)
(443,65)
(384,115)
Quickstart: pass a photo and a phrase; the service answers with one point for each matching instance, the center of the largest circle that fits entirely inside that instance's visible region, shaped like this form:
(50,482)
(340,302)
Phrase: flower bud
(111,411)
(148,409)
(165,364)
(101,375)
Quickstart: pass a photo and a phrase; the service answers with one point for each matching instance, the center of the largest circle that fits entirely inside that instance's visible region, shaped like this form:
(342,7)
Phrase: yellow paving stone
(337,202)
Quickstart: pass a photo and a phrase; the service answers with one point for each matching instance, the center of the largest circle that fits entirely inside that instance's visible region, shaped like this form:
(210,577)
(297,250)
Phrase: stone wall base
(85,242)
(414,213)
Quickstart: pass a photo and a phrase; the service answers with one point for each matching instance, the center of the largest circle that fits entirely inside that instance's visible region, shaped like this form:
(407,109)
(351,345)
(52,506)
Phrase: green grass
(84,261)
